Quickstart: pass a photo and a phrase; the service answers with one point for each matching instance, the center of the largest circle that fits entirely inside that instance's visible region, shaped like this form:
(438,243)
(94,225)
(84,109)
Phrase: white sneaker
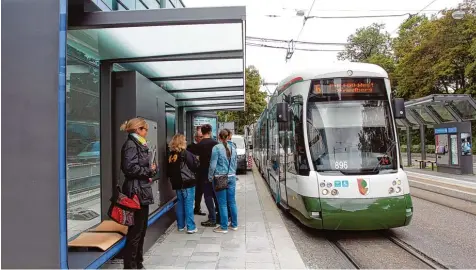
(181,230)
(192,231)
(220,230)
(234,228)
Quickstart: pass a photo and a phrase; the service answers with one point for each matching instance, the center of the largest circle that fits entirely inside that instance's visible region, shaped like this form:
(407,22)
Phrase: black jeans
(210,201)
(134,249)
(198,198)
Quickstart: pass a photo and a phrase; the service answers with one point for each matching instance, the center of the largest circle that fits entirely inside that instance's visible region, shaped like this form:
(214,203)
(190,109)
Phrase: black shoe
(199,213)
(209,223)
(140,266)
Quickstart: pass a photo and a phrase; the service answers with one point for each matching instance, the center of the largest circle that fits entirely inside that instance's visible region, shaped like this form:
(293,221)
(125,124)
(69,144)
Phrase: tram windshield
(351,133)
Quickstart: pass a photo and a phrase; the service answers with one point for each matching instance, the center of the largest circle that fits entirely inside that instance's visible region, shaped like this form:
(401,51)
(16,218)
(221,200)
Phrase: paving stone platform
(261,241)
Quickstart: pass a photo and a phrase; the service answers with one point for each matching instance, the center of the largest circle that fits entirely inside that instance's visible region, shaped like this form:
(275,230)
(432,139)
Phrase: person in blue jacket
(223,161)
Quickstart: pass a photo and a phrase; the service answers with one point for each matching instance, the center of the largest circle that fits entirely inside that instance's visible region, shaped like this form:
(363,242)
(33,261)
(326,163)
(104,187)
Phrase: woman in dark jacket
(138,172)
(182,166)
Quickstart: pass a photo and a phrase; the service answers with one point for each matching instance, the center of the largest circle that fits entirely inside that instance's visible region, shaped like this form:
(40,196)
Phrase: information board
(202,120)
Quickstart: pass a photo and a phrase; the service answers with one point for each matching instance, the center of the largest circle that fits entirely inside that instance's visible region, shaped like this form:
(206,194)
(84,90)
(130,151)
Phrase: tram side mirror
(282,112)
(399,108)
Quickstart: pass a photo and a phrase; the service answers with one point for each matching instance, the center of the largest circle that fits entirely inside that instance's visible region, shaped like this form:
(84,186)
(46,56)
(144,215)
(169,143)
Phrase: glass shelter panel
(442,112)
(411,119)
(194,84)
(82,142)
(209,102)
(424,115)
(205,95)
(464,108)
(184,68)
(130,42)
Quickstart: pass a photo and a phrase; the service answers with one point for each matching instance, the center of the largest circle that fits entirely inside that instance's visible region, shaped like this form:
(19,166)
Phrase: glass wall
(83,122)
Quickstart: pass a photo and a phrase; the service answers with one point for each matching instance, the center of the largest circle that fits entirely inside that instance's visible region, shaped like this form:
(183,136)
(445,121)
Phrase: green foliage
(429,56)
(366,42)
(255,103)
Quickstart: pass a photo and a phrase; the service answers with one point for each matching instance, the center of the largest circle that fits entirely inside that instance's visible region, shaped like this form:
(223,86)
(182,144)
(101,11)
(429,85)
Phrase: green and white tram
(328,148)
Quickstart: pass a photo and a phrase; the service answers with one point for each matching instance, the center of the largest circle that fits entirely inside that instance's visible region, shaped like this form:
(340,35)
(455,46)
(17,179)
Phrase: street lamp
(458,14)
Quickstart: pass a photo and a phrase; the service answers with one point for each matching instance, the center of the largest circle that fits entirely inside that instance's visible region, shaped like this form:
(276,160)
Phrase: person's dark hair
(224,136)
(206,129)
(229,131)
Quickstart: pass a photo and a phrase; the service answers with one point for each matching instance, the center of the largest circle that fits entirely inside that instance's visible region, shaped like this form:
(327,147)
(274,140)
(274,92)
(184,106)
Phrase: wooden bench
(421,162)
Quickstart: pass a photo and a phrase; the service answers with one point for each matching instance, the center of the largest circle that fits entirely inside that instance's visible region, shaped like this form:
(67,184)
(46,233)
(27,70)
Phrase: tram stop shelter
(151,63)
(449,115)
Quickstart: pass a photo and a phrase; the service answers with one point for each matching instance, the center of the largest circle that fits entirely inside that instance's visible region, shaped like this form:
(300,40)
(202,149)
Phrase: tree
(371,44)
(435,56)
(366,42)
(255,103)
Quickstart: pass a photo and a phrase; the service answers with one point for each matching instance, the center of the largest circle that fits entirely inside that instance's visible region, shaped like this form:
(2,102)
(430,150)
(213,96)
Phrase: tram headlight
(394,182)
(399,182)
(322,185)
(334,192)
(398,190)
(329,185)
(390,190)
(325,192)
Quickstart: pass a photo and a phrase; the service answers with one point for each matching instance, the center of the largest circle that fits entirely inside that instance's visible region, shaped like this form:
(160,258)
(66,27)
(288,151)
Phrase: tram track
(413,252)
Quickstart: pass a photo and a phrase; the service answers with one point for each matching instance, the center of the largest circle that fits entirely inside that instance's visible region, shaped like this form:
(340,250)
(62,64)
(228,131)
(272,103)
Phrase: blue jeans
(226,200)
(184,208)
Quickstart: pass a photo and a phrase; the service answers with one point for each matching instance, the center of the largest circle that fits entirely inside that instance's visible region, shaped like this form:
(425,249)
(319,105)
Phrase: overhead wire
(297,42)
(297,49)
(304,23)
(411,15)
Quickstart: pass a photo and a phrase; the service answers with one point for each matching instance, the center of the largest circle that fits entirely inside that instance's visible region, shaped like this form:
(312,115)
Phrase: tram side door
(283,161)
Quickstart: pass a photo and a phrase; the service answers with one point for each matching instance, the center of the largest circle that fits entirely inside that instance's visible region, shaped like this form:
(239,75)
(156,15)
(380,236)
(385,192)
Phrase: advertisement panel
(201,120)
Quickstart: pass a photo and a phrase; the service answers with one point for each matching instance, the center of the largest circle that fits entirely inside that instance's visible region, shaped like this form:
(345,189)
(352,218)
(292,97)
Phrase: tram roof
(331,68)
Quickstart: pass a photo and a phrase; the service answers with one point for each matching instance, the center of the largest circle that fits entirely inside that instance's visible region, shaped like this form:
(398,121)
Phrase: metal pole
(422,144)
(409,147)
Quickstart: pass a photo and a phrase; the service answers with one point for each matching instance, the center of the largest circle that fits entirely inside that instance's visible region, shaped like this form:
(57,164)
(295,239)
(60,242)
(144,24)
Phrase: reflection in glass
(210,102)
(465,110)
(183,68)
(130,42)
(170,121)
(206,95)
(424,115)
(351,135)
(83,142)
(443,113)
(196,84)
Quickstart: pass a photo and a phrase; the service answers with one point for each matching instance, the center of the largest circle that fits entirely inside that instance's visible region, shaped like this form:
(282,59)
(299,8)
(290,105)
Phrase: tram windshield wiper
(389,149)
(359,171)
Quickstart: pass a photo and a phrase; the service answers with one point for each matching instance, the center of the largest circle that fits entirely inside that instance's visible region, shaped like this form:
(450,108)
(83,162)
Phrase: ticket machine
(453,148)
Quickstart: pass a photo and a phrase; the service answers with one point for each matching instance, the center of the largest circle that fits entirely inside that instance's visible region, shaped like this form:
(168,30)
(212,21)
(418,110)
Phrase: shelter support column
(105,93)
(34,156)
(409,147)
(181,119)
(422,144)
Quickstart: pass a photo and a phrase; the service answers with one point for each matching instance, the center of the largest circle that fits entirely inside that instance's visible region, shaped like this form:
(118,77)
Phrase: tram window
(301,166)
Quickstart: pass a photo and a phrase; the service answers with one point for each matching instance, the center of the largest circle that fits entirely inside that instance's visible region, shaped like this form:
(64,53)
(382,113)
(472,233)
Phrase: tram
(328,149)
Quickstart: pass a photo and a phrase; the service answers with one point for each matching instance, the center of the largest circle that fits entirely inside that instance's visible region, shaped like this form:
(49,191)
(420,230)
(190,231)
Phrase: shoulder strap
(229,160)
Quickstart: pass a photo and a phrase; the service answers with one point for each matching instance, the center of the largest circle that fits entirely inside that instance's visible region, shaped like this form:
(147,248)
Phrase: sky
(271,62)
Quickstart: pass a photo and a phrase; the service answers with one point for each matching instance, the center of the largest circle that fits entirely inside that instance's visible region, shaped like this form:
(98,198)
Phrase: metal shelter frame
(435,109)
(195,54)
(204,71)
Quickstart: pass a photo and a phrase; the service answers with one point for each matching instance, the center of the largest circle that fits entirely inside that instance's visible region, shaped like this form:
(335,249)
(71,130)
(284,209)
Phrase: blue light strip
(107,255)
(63,28)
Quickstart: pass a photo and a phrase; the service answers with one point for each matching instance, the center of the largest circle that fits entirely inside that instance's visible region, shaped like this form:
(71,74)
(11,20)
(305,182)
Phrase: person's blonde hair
(178,143)
(132,124)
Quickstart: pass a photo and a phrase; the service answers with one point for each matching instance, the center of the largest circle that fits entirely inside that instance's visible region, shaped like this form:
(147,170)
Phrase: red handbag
(122,208)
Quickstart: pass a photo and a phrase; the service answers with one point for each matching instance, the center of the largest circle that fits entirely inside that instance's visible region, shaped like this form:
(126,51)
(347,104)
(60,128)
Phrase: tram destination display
(349,86)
